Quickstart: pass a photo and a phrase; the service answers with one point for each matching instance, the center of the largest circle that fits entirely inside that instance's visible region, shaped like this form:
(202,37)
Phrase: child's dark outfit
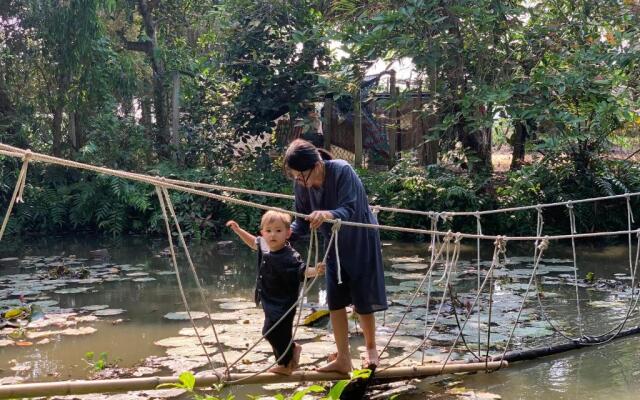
(277,285)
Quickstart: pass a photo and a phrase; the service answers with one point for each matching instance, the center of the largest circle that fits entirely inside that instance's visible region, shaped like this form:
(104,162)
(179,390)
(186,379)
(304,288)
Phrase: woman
(330,189)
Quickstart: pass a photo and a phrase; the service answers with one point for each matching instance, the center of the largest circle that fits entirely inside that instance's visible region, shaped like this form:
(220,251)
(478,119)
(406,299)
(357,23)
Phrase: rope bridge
(444,250)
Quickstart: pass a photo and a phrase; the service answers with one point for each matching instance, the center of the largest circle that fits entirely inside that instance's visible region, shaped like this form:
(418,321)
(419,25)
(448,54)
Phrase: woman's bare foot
(339,364)
(281,370)
(370,358)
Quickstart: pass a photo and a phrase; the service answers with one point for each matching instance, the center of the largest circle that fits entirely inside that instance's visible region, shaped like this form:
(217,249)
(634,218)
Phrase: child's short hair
(271,216)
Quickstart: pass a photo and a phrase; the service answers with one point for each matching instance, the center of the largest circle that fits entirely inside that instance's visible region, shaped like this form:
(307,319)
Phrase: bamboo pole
(150,383)
(392,132)
(357,127)
(327,127)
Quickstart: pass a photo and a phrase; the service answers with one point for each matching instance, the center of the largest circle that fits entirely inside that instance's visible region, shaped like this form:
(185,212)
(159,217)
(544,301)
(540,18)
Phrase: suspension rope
(18,192)
(203,297)
(15,152)
(432,252)
(499,248)
(456,251)
(479,232)
(185,302)
(544,244)
(572,223)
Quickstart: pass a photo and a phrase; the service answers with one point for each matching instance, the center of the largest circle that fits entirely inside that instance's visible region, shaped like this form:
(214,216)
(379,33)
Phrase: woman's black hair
(302,155)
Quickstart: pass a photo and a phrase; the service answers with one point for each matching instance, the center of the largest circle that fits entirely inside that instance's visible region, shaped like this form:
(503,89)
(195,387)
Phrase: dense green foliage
(187,89)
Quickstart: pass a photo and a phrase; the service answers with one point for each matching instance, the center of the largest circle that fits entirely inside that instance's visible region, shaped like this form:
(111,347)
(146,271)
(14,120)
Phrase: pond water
(144,290)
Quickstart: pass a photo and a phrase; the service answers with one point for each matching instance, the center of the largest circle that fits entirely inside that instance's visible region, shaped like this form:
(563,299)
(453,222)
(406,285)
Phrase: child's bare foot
(295,360)
(341,364)
(281,370)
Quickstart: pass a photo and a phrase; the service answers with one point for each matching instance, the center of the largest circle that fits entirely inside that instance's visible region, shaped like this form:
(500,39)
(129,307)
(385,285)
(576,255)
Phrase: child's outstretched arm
(246,237)
(312,272)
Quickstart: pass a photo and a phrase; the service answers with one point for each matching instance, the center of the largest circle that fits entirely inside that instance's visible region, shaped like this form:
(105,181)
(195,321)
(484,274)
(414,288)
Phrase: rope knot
(570,204)
(27,155)
(477,214)
(458,237)
(375,210)
(448,237)
(544,244)
(336,225)
(501,244)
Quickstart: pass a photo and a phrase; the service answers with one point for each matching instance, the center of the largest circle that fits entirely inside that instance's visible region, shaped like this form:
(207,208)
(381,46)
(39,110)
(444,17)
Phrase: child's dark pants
(280,336)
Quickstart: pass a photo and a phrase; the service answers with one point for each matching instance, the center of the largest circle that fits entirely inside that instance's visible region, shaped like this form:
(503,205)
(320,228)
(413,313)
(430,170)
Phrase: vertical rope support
(432,252)
(18,192)
(629,222)
(544,244)
(179,280)
(572,222)
(205,303)
(408,307)
(499,248)
(479,231)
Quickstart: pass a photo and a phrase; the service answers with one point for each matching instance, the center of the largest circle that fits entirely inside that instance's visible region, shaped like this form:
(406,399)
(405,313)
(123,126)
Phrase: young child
(280,271)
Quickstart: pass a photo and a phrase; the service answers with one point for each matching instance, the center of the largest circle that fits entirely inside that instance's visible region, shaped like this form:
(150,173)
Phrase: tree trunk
(145,120)
(160,99)
(159,92)
(518,142)
(56,131)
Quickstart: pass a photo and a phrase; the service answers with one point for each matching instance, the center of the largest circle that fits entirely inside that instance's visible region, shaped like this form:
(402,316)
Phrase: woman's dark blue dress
(359,249)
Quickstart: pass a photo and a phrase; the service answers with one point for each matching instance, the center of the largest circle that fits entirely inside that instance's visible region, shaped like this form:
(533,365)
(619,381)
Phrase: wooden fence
(377,129)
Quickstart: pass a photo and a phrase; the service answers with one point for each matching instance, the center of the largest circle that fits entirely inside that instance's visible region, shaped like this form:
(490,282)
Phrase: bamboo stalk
(125,385)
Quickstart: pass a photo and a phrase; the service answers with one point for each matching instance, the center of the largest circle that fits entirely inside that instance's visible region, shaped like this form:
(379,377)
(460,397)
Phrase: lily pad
(240,305)
(402,260)
(109,311)
(411,267)
(85,330)
(134,274)
(81,289)
(95,307)
(183,316)
(145,279)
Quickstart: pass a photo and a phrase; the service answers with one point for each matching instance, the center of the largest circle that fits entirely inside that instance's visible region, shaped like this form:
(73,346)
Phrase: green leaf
(337,389)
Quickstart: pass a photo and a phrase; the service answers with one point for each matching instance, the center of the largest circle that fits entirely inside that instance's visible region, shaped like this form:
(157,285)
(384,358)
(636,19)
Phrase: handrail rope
(18,191)
(154,181)
(444,295)
(203,298)
(161,198)
(572,226)
(379,208)
(499,248)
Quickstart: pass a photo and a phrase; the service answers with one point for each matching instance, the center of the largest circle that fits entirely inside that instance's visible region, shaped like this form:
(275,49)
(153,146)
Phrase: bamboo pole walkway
(124,385)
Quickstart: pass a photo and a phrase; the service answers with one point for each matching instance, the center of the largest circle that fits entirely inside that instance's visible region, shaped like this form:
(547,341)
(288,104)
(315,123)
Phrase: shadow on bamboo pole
(125,385)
